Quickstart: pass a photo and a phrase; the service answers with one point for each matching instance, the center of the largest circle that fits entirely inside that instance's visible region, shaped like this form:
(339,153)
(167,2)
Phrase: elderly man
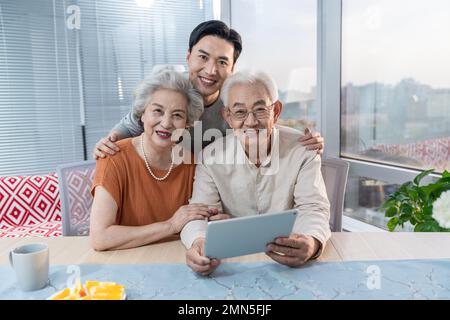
(258,168)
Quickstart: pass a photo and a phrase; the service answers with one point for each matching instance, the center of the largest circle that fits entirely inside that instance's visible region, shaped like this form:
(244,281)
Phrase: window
(280,38)
(68,70)
(396,83)
(395,103)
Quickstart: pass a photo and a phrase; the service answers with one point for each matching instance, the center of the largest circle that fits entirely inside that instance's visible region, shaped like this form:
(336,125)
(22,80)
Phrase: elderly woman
(140,194)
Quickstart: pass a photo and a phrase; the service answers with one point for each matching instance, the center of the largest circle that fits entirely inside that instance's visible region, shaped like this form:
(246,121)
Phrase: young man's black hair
(219,29)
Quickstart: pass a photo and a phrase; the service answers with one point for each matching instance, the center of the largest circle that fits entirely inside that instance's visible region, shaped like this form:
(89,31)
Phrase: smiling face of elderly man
(251,108)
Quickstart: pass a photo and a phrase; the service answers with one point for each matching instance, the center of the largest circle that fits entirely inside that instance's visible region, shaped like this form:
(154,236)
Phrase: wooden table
(341,247)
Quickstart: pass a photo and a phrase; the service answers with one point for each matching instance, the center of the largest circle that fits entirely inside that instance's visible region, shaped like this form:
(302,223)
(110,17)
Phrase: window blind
(68,65)
(39,120)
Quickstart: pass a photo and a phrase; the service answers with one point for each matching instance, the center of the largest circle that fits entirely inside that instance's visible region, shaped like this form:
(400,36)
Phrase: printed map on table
(407,279)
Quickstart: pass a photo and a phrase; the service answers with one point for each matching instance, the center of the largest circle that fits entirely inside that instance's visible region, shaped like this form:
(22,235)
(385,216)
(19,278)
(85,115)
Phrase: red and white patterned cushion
(30,206)
(45,229)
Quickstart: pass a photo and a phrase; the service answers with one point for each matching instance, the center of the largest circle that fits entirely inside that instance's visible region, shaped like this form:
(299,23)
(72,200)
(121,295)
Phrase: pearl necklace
(148,166)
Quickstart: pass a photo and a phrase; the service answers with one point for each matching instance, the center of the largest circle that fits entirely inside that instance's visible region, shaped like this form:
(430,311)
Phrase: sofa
(30,206)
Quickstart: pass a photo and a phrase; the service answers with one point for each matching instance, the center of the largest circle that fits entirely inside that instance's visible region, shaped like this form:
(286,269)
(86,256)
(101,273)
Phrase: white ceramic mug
(31,263)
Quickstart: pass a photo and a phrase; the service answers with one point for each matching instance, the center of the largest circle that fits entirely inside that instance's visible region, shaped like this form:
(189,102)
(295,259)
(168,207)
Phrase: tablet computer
(240,236)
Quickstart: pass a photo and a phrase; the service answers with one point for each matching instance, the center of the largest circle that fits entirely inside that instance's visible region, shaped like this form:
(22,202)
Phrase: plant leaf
(388,203)
(421,176)
(434,190)
(405,187)
(420,227)
(401,197)
(404,218)
(427,211)
(419,216)
(391,212)
(435,227)
(413,193)
(405,208)
(428,226)
(444,179)
(392,224)
(423,195)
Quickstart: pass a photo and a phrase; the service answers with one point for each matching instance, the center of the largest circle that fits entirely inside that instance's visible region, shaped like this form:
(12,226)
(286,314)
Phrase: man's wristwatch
(318,252)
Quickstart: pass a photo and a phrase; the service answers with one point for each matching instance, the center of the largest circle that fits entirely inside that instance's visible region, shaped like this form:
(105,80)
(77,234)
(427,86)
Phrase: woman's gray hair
(249,77)
(172,80)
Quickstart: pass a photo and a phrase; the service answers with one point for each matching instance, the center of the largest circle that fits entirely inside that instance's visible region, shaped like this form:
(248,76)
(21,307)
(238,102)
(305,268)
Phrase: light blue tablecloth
(412,279)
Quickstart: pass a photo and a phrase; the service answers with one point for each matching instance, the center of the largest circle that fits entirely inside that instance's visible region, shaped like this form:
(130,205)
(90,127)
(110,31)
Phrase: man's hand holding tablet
(249,235)
(197,261)
(293,251)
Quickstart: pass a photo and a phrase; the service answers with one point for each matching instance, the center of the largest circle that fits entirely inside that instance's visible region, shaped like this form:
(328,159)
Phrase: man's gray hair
(249,78)
(172,80)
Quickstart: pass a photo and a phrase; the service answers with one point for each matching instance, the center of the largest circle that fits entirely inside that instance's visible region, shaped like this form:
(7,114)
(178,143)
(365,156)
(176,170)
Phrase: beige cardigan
(289,178)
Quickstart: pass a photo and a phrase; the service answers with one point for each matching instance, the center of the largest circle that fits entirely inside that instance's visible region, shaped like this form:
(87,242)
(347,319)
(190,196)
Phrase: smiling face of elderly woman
(165,112)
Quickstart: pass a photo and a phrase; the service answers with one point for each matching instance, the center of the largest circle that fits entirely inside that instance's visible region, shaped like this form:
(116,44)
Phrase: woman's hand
(219,216)
(187,213)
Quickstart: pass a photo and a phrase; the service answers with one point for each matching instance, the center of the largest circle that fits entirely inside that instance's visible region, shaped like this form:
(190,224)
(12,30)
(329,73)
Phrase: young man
(213,51)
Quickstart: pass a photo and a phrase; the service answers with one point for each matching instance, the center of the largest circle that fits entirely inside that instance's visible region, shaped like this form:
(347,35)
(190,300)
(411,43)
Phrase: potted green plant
(426,207)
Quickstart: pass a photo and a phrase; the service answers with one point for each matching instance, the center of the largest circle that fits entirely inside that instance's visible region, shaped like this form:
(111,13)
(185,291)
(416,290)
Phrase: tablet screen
(247,235)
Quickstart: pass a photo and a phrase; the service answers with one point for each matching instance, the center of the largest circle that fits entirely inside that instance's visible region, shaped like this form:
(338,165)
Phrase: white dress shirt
(289,178)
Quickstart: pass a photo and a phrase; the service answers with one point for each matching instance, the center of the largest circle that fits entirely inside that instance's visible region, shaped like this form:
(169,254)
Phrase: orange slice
(92,290)
(61,295)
